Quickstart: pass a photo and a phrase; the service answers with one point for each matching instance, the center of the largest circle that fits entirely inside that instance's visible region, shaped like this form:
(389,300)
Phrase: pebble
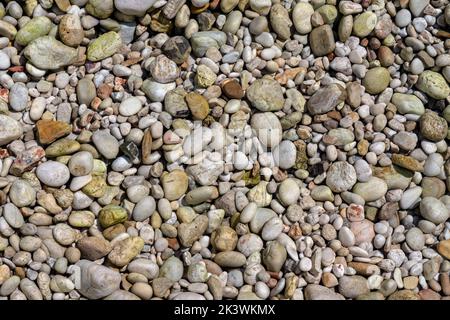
(267,128)
(403,18)
(97,281)
(433,127)
(18,97)
(285,154)
(111,215)
(81,163)
(22,193)
(322,40)
(265,95)
(376,80)
(353,286)
(325,99)
(144,208)
(104,46)
(433,84)
(5,61)
(415,239)
(130,106)
(433,210)
(364,24)
(53,173)
(134,7)
(70,30)
(371,190)
(301,16)
(341,176)
(289,192)
(47,53)
(106,144)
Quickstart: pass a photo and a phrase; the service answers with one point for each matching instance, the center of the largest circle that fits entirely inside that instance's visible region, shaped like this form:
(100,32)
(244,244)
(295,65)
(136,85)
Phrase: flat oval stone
(267,128)
(322,40)
(230,259)
(53,173)
(81,163)
(106,144)
(364,24)
(343,136)
(104,46)
(144,208)
(18,97)
(265,95)
(288,192)
(130,106)
(10,130)
(415,239)
(70,30)
(408,103)
(301,16)
(285,154)
(13,216)
(86,91)
(111,215)
(371,190)
(325,99)
(376,80)
(175,184)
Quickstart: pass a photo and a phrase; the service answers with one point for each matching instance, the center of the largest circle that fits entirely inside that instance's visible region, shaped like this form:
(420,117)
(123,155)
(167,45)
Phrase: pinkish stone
(363,231)
(355,213)
(26,160)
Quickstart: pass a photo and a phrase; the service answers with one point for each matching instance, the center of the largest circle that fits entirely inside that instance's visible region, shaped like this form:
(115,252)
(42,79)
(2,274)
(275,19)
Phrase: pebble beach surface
(224,149)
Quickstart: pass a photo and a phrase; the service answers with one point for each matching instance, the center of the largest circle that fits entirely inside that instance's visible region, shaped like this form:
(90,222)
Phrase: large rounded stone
(266,95)
(22,193)
(104,46)
(371,190)
(10,130)
(97,281)
(376,80)
(133,7)
(325,99)
(144,208)
(47,53)
(341,176)
(267,128)
(53,173)
(433,127)
(174,184)
(434,210)
(433,84)
(111,215)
